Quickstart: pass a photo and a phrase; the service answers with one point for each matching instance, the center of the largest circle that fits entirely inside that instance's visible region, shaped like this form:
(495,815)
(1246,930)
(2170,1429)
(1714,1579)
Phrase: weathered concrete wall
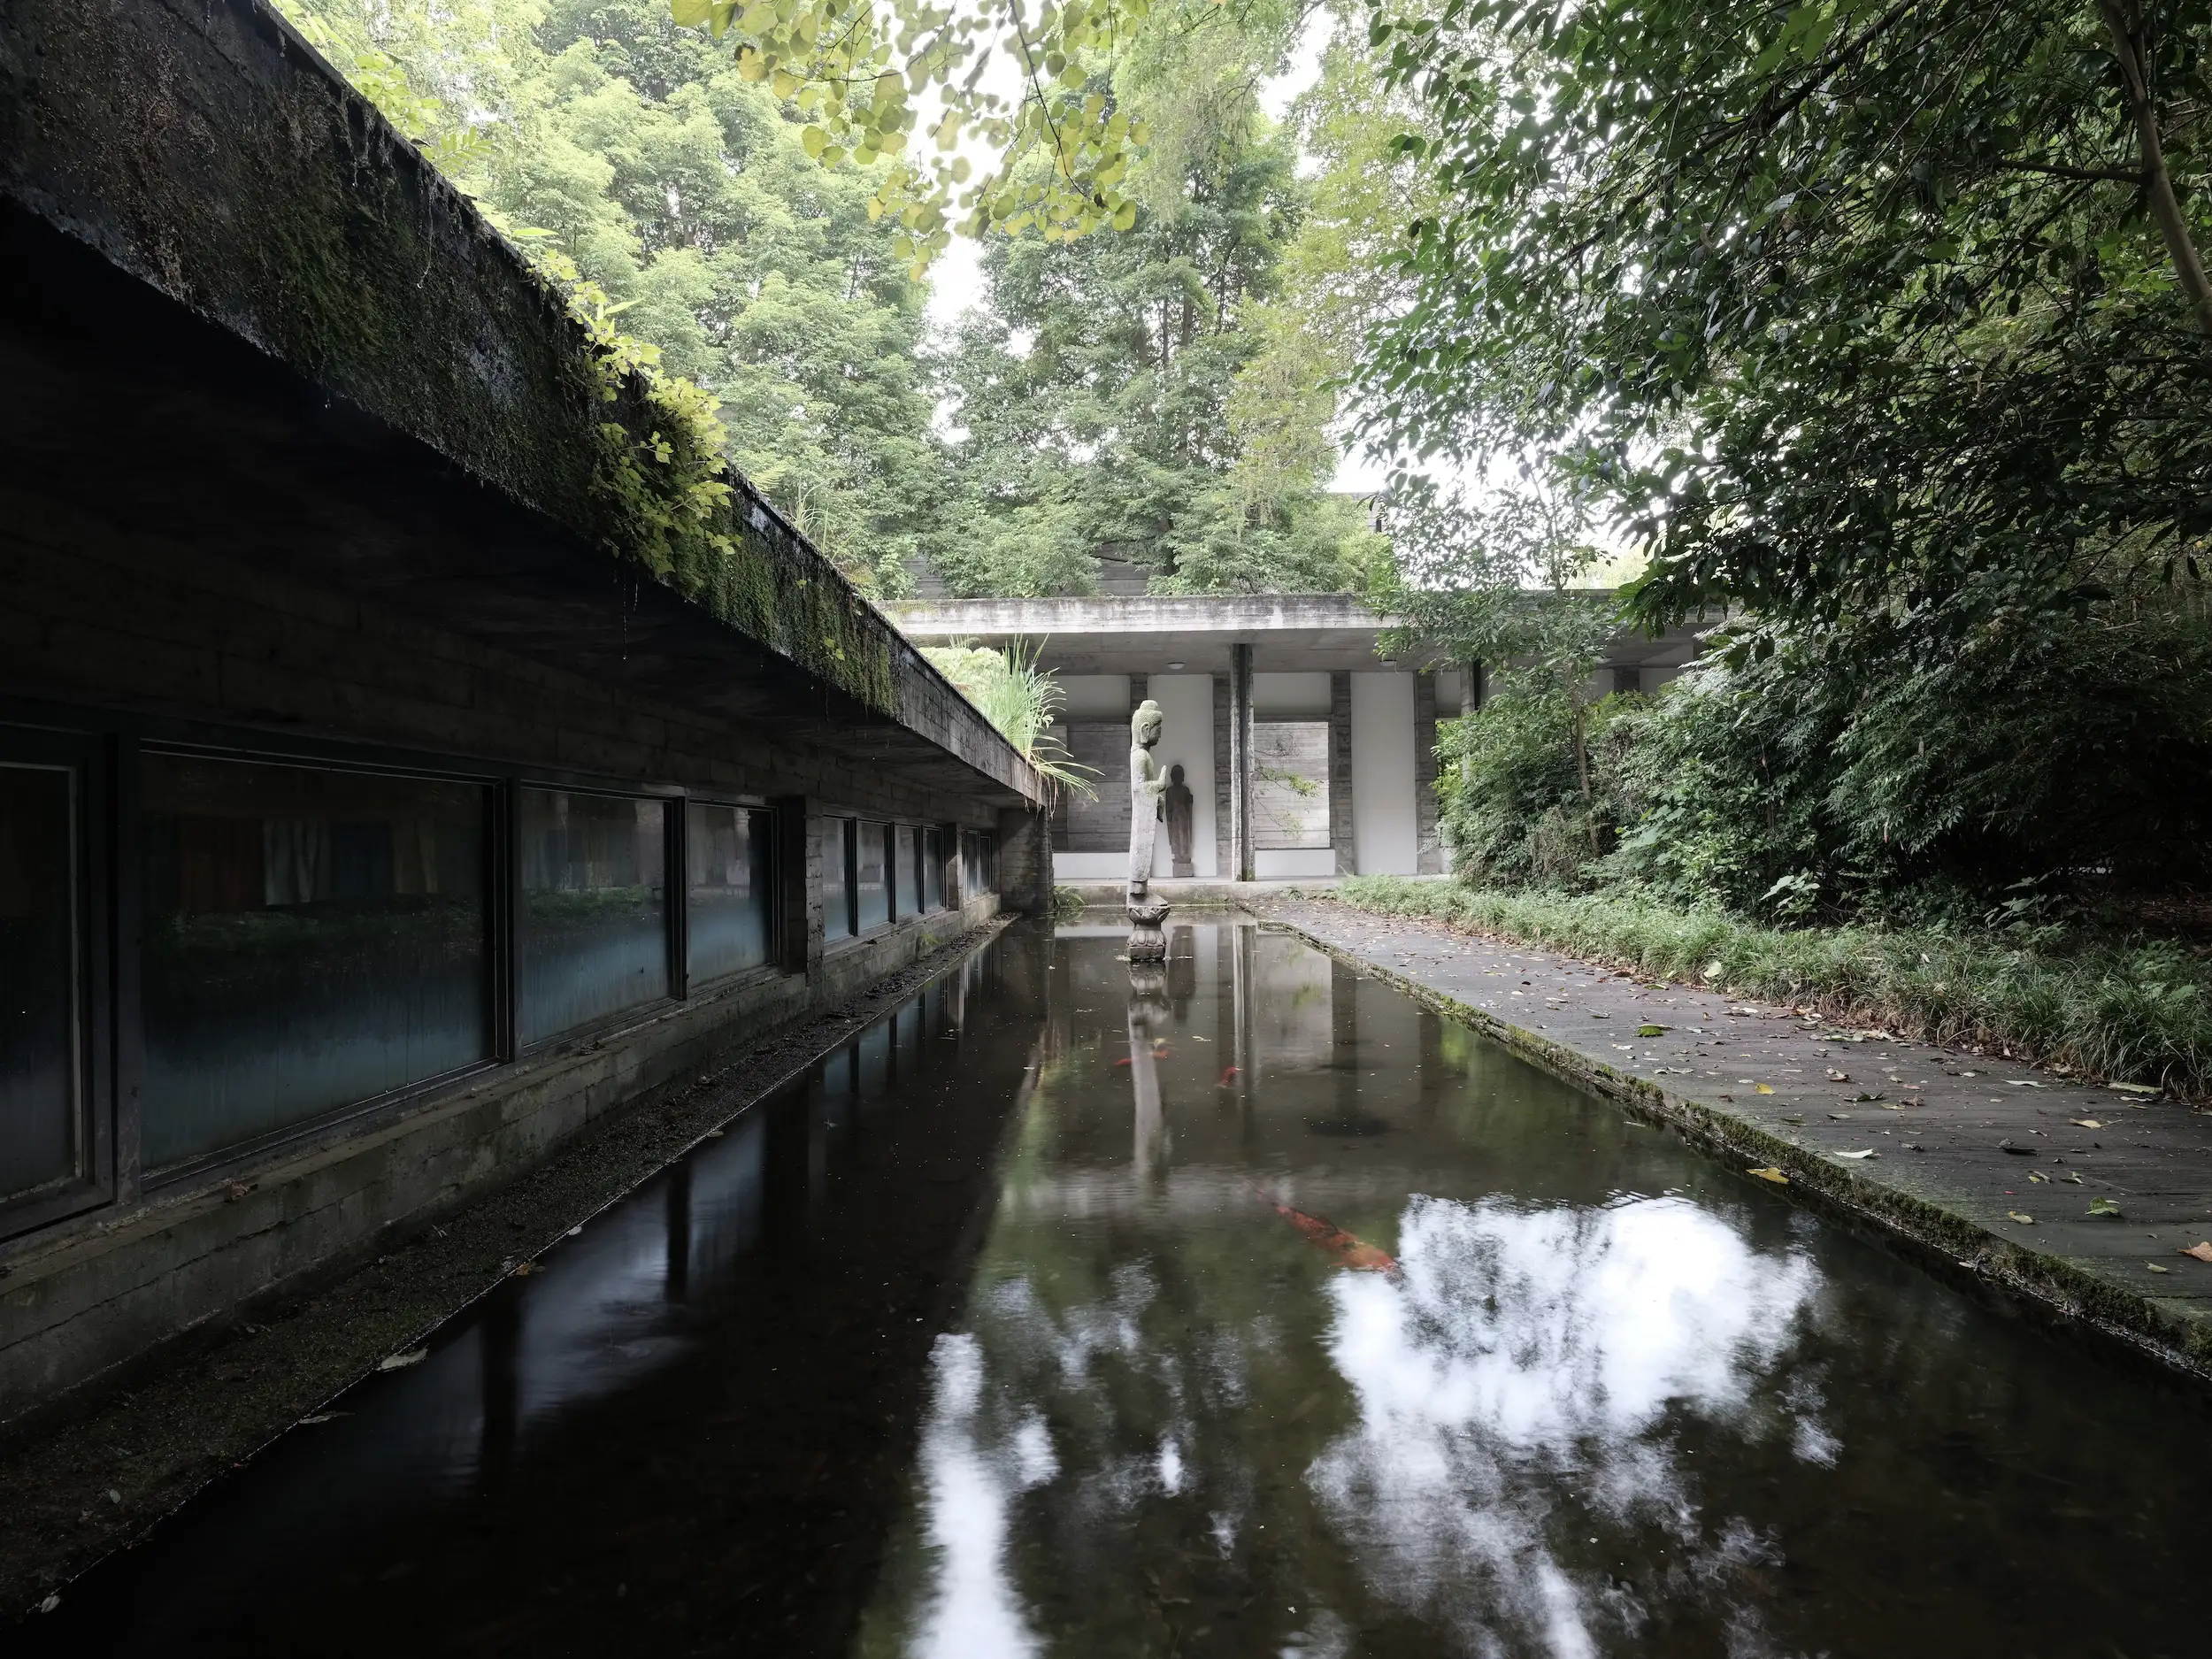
(1384,806)
(112,615)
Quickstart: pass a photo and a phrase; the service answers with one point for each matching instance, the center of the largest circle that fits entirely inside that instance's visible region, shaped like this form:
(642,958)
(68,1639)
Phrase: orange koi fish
(1123,1061)
(1350,1249)
(1228,1078)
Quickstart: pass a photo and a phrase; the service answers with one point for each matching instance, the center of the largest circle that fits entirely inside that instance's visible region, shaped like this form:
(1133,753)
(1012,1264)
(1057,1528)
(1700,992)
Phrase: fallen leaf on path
(2134,1088)
(401,1362)
(2025,1082)
(1771,1174)
(2102,1206)
(2085,1123)
(2153,1267)
(1651,1030)
(1713,971)
(1839,1077)
(1765,1088)
(2202,1251)
(2017,1152)
(2034,1176)
(2022,1217)
(1867,1154)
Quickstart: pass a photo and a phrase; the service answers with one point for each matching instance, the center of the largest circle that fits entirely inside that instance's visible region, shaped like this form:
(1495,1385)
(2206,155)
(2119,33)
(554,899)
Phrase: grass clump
(2125,1008)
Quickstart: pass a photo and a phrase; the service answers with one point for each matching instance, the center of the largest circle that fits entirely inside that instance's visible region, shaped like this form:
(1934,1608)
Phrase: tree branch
(2158,185)
(2112,175)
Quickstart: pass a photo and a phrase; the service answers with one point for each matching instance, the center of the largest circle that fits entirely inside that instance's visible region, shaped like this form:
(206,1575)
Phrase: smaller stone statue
(1147,942)
(1178,802)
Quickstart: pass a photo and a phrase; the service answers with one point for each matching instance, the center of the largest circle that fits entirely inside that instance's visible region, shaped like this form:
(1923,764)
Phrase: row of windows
(874,874)
(312,938)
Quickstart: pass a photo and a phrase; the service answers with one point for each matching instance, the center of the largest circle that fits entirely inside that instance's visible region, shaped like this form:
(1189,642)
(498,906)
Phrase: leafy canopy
(1855,308)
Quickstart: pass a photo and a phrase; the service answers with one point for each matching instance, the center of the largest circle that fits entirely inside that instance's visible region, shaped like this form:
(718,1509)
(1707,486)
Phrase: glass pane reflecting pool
(1263,1313)
(594,933)
(313,938)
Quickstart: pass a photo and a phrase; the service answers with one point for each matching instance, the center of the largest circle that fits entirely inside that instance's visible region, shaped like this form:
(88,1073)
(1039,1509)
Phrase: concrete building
(1308,754)
(386,791)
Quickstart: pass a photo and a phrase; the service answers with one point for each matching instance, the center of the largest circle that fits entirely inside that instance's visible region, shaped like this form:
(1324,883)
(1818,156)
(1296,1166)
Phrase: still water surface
(1266,1314)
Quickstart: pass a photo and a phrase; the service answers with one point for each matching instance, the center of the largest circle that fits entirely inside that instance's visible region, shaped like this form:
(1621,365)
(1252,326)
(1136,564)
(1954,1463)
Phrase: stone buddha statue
(1147,944)
(1177,801)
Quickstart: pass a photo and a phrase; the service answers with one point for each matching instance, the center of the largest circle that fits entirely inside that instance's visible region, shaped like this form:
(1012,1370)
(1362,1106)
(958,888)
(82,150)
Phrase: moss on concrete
(210,152)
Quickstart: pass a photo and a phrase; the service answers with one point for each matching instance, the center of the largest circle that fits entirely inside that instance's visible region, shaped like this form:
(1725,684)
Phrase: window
(986,862)
(872,885)
(727,890)
(313,938)
(593,930)
(837,904)
(908,900)
(1290,784)
(42,1115)
(932,872)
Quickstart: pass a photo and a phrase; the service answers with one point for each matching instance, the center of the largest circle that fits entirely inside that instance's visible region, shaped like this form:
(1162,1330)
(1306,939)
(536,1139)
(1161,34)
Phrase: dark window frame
(88,759)
(674,815)
(499,941)
(772,833)
(106,746)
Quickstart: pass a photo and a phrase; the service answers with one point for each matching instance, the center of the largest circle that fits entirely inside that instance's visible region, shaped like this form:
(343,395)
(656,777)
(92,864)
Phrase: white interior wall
(1283,864)
(1186,739)
(1303,696)
(1384,840)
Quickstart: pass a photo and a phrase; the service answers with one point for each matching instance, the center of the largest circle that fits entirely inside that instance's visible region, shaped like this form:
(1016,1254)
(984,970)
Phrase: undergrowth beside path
(2135,1009)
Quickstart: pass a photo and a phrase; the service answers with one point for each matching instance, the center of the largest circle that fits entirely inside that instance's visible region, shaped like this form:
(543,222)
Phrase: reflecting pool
(1255,1312)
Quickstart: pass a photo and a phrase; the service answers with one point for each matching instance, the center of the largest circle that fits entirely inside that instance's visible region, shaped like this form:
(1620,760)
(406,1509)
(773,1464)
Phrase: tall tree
(686,192)
(1856,304)
(1095,391)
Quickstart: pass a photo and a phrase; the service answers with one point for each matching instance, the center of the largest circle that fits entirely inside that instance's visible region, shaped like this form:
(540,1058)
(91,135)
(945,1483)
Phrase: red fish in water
(1228,1078)
(1350,1249)
(1123,1061)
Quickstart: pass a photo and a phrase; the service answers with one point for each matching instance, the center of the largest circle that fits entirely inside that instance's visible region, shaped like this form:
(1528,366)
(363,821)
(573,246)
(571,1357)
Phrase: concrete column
(798,885)
(1428,846)
(1224,869)
(1241,761)
(1024,860)
(1340,830)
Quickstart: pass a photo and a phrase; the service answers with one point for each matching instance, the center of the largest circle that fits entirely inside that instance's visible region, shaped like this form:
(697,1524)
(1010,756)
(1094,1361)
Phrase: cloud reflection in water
(1529,1350)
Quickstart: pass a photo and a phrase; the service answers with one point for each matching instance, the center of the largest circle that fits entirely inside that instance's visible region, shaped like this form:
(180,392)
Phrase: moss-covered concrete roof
(342,369)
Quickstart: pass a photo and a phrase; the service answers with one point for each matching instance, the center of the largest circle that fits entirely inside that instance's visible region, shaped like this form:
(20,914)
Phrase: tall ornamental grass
(2130,1009)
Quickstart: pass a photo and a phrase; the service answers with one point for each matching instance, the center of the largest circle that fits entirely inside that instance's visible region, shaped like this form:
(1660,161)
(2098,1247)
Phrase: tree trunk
(2158,184)
(1582,769)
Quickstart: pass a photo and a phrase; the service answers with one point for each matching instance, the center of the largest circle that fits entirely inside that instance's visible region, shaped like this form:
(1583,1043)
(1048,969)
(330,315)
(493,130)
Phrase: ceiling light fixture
(1174,665)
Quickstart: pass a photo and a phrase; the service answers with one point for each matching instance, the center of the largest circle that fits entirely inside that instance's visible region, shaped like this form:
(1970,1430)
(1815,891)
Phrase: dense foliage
(1117,397)
(1886,326)
(2108,1004)
(635,155)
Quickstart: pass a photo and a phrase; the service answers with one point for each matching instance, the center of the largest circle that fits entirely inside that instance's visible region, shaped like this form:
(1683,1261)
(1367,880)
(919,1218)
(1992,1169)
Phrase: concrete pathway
(2011,1172)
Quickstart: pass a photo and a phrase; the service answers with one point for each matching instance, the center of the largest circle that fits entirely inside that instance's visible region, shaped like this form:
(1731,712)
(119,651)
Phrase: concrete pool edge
(2171,1330)
(205,1404)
